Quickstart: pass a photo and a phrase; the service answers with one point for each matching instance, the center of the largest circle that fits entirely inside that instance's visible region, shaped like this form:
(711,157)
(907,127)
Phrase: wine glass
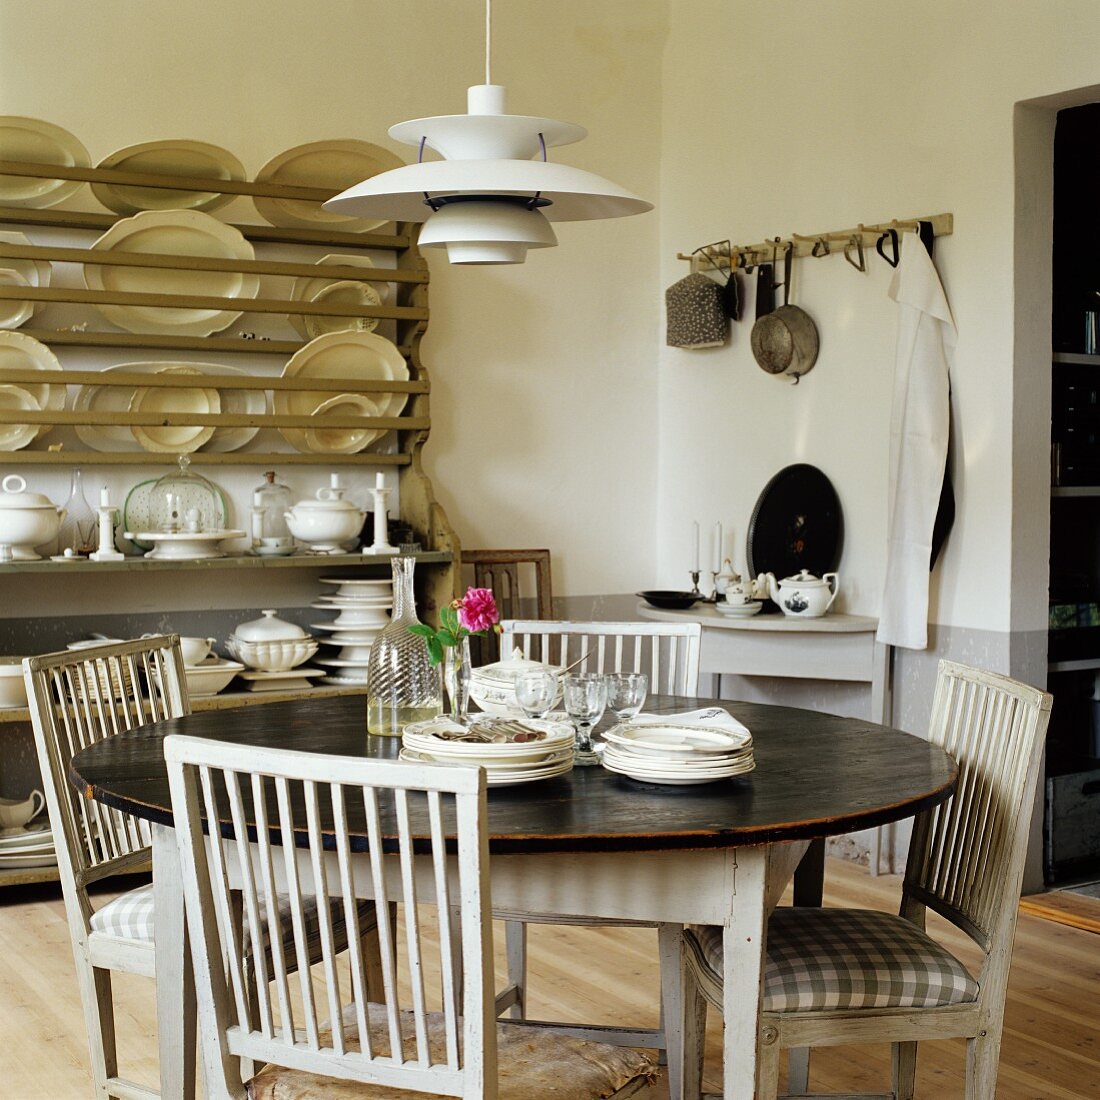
(585,698)
(626,693)
(536,692)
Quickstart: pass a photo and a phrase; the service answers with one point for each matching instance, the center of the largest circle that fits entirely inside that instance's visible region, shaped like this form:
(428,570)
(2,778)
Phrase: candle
(379,480)
(334,480)
(695,529)
(104,498)
(717,547)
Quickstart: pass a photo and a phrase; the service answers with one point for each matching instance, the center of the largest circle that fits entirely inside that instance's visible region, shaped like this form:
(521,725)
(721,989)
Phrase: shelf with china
(408,414)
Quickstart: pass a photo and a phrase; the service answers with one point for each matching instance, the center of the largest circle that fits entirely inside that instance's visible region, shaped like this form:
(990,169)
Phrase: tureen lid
(16,496)
(511,667)
(805,579)
(328,500)
(268,629)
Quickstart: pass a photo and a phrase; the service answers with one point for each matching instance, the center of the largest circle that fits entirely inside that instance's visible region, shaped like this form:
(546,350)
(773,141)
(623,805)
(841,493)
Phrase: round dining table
(586,844)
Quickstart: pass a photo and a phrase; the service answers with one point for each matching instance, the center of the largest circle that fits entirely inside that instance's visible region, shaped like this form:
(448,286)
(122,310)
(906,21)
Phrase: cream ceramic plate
(14,311)
(182,439)
(36,272)
(14,437)
(357,356)
(685,741)
(343,292)
(247,402)
(195,159)
(306,289)
(21,352)
(494,778)
(31,139)
(179,233)
(342,440)
(331,165)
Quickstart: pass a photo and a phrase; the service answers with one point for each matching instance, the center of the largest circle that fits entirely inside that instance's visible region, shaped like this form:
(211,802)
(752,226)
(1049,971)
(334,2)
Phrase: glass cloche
(185,501)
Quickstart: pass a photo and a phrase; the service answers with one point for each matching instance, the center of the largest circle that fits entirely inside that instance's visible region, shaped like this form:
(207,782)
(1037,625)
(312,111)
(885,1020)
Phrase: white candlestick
(717,547)
(695,530)
(106,551)
(104,498)
(379,480)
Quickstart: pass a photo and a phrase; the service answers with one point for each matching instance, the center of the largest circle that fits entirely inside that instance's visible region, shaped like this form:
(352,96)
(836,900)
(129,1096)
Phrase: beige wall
(868,111)
(545,395)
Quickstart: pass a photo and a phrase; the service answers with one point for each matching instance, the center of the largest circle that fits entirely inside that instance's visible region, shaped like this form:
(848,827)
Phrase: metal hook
(820,248)
(855,241)
(892,235)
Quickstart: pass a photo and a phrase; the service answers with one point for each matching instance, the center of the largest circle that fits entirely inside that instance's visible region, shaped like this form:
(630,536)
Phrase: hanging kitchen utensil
(855,241)
(731,296)
(892,236)
(785,341)
(765,291)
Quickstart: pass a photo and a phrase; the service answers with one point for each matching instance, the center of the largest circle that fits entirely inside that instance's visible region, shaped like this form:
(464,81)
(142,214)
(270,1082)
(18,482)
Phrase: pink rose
(478,610)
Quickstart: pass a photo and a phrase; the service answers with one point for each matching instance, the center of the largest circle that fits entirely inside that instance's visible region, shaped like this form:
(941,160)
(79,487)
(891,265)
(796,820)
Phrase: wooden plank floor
(1050,1050)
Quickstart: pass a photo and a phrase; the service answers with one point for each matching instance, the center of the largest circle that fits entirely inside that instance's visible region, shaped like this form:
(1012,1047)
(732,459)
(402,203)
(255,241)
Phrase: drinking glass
(536,692)
(585,698)
(626,693)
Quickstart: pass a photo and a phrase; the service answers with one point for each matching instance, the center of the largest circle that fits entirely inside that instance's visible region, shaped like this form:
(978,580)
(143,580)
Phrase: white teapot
(804,596)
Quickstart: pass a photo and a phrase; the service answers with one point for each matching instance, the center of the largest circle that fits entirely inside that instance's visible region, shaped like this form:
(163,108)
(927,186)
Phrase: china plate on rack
(342,440)
(36,272)
(357,356)
(331,165)
(18,351)
(31,139)
(179,233)
(181,439)
(169,158)
(344,292)
(14,437)
(306,289)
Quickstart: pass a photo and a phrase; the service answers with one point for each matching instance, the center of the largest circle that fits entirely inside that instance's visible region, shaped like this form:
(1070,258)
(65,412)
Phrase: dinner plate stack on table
(363,609)
(680,750)
(512,751)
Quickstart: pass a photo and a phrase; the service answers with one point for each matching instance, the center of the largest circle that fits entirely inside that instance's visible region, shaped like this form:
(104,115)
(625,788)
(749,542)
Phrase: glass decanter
(80,525)
(403,685)
(270,503)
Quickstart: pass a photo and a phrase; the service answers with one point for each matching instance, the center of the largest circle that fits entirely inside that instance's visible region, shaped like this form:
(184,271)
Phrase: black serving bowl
(669,601)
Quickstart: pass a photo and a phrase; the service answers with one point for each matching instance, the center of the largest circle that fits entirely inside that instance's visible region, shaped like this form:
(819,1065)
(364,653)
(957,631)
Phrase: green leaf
(447,638)
(422,630)
(435,650)
(448,616)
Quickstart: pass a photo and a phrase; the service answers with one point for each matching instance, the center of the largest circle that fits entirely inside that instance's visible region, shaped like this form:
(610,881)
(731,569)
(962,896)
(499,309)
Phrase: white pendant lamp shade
(487,232)
(402,193)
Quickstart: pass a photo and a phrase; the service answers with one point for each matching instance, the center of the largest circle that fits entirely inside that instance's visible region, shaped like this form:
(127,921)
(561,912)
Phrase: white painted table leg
(882,705)
(743,944)
(176,1012)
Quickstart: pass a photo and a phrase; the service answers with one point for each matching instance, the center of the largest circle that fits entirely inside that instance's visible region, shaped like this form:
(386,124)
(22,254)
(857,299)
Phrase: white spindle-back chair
(669,654)
(77,698)
(966,862)
(330,830)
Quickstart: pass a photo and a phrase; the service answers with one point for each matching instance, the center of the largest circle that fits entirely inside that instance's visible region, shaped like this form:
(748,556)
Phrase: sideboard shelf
(237,561)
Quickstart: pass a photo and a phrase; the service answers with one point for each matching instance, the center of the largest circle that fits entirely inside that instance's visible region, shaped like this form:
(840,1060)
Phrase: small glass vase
(403,685)
(80,525)
(456,679)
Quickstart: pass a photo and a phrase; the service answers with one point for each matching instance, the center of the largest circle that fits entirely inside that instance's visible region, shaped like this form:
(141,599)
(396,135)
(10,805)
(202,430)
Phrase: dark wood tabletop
(816,775)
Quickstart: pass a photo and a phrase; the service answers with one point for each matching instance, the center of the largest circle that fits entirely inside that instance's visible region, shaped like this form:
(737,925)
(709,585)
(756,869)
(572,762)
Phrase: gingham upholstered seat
(130,917)
(822,959)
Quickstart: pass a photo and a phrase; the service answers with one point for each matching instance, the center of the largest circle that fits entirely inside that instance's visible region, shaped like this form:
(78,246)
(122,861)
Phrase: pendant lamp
(494,194)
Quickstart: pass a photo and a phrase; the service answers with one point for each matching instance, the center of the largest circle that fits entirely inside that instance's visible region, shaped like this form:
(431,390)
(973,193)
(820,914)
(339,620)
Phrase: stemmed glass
(626,693)
(585,698)
(536,692)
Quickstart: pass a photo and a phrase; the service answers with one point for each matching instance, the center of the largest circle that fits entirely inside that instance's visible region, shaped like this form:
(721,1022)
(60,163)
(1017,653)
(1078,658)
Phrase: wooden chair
(669,654)
(77,698)
(839,976)
(503,572)
(356,824)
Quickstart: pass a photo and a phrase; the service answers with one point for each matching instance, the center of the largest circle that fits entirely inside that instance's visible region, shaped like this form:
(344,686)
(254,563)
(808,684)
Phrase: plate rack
(408,311)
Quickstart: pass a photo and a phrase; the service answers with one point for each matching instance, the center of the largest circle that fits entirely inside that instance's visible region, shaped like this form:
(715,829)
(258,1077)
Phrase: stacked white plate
(29,846)
(362,609)
(511,751)
(656,752)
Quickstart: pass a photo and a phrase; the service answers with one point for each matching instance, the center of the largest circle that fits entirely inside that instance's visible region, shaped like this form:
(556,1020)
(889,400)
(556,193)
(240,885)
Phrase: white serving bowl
(326,521)
(493,687)
(210,677)
(195,650)
(13,691)
(272,656)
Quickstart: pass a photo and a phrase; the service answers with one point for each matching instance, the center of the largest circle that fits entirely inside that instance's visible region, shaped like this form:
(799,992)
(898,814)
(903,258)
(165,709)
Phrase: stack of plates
(654,752)
(510,751)
(30,846)
(362,610)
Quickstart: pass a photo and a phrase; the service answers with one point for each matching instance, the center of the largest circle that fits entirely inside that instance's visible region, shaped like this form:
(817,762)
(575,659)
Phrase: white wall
(544,375)
(808,117)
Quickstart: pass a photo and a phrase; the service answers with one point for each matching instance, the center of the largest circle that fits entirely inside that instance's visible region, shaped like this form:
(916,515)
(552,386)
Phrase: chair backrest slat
(636,647)
(348,829)
(967,854)
(76,698)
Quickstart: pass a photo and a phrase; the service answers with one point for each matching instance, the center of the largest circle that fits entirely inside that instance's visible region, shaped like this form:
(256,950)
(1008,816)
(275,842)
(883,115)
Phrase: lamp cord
(488,41)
